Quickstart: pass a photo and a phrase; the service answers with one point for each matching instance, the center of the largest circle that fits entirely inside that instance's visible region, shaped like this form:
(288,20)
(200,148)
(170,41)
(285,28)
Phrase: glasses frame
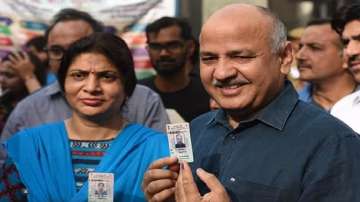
(55,52)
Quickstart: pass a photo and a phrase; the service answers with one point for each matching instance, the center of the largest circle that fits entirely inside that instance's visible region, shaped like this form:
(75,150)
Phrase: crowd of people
(74,116)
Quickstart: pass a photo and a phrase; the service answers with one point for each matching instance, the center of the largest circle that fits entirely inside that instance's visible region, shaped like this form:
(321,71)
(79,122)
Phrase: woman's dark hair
(109,45)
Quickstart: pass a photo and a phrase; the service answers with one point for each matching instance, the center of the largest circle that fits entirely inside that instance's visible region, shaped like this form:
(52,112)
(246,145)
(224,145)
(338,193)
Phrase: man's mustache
(302,63)
(229,82)
(353,58)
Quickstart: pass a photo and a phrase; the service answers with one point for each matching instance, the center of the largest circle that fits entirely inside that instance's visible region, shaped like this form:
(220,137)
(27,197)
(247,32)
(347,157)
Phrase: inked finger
(179,189)
(156,174)
(210,180)
(164,162)
(191,192)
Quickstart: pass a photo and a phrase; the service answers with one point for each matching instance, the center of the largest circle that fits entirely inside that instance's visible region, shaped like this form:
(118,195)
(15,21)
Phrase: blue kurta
(42,157)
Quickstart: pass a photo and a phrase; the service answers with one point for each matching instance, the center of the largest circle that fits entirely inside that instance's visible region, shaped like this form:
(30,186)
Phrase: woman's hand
(159,183)
(20,61)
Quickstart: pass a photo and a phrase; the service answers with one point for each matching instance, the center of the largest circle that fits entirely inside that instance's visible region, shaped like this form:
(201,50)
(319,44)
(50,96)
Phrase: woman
(54,160)
(14,86)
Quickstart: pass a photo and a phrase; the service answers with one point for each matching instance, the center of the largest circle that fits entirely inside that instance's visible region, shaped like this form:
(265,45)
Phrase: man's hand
(187,191)
(159,183)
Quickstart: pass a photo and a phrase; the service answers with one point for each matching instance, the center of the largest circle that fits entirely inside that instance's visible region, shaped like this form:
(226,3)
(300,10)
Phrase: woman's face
(10,81)
(93,86)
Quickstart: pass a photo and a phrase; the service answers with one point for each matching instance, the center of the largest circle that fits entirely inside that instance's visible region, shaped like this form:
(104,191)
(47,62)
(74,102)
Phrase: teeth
(232,86)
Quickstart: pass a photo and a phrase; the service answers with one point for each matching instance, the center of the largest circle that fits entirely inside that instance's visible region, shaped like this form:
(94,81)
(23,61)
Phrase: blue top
(50,78)
(291,151)
(305,94)
(43,160)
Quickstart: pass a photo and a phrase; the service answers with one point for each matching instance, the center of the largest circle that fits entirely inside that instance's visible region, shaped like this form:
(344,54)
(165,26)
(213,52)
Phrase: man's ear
(286,58)
(345,58)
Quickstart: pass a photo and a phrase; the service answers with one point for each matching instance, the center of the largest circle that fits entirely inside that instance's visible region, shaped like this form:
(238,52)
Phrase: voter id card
(180,141)
(101,187)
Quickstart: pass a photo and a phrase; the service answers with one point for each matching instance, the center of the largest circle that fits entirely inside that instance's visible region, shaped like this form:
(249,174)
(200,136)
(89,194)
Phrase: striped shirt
(86,155)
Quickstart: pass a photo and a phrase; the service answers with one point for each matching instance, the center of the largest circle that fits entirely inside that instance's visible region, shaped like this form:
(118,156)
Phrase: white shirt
(347,109)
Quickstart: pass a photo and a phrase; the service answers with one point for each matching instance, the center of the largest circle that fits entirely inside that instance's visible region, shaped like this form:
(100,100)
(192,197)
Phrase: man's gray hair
(279,37)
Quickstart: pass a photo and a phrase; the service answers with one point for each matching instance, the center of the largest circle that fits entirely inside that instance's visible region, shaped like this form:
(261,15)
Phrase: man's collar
(218,116)
(275,114)
(278,111)
(356,100)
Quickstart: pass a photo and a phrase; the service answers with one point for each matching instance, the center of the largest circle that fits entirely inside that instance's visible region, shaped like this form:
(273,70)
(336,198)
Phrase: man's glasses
(169,46)
(55,52)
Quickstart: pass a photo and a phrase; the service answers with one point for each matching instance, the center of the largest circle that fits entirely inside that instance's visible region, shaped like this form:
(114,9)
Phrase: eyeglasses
(55,52)
(169,46)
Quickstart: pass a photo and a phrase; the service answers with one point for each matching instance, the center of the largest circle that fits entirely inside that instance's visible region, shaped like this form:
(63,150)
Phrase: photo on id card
(101,186)
(180,141)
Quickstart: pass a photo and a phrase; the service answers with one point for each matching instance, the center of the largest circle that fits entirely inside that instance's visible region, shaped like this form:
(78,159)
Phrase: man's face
(178,138)
(168,51)
(237,66)
(101,186)
(319,57)
(351,40)
(61,36)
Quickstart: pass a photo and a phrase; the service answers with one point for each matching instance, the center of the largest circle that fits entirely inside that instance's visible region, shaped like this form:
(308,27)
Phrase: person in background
(346,23)
(14,86)
(37,46)
(171,49)
(263,144)
(320,62)
(294,36)
(52,161)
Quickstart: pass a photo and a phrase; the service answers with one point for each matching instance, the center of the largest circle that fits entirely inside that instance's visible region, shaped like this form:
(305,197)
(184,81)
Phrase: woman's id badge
(101,187)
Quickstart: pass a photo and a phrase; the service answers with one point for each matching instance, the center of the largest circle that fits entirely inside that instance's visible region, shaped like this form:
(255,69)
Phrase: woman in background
(14,85)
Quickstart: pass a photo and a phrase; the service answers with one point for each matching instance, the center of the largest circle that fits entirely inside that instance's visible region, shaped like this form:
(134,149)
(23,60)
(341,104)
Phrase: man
(171,49)
(263,144)
(179,142)
(101,192)
(47,105)
(320,62)
(347,23)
